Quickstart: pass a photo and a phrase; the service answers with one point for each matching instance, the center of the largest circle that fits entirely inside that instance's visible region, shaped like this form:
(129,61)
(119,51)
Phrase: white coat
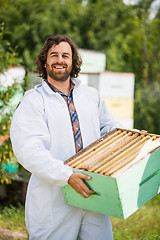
(42,139)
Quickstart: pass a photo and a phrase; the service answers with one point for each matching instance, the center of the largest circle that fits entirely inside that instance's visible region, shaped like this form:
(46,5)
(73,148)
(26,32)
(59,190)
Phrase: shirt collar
(54,89)
(46,87)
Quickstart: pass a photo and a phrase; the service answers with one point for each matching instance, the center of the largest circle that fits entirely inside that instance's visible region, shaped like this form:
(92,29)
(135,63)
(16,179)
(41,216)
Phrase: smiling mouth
(59,67)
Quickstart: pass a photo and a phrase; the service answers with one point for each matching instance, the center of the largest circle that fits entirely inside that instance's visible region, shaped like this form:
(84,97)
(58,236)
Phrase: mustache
(63,65)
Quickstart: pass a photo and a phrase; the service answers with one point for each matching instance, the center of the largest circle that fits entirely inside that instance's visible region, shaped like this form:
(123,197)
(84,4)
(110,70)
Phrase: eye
(54,55)
(65,56)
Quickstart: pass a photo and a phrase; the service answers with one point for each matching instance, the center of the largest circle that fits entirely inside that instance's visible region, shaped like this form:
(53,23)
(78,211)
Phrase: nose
(60,58)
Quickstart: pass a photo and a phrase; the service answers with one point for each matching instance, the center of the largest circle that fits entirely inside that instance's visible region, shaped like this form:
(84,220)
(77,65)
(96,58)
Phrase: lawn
(142,225)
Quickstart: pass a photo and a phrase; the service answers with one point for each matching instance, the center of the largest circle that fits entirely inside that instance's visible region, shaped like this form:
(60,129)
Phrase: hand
(77,183)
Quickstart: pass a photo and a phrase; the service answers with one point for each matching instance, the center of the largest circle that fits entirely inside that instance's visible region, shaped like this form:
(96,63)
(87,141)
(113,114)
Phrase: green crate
(120,196)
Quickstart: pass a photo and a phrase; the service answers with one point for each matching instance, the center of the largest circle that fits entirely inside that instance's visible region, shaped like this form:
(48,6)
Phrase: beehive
(125,170)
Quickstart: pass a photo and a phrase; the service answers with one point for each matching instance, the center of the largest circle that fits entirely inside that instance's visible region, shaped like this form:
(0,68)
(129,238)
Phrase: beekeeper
(54,121)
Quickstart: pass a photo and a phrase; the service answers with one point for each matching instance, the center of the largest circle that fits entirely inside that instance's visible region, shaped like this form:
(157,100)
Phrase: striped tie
(73,115)
(75,124)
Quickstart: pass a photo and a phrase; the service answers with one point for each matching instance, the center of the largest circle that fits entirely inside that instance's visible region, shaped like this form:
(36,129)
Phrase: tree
(125,33)
(37,20)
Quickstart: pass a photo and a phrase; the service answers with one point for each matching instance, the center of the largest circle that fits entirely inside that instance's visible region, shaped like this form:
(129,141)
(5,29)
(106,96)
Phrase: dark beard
(59,77)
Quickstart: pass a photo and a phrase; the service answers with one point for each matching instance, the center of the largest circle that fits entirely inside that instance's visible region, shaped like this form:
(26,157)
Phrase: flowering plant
(11,91)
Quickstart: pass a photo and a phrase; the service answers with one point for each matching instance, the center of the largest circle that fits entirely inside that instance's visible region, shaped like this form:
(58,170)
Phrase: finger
(86,177)
(76,181)
(144,131)
(85,195)
(85,189)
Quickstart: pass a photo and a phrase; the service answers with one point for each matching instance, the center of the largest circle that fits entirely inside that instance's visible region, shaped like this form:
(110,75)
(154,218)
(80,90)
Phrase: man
(53,122)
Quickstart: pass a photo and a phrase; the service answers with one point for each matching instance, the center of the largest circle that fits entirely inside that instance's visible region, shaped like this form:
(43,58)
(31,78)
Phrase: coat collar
(44,85)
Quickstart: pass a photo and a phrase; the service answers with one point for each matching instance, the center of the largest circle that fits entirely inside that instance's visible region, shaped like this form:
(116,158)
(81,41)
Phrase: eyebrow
(58,53)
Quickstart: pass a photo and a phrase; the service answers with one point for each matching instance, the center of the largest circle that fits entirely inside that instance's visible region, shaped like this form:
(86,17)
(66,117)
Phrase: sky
(130,2)
(155,5)
(156,2)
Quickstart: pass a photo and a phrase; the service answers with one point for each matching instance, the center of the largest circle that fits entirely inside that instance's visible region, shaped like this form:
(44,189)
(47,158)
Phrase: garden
(127,34)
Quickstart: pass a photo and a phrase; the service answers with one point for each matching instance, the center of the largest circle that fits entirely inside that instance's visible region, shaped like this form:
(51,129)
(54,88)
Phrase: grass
(144,224)
(12,218)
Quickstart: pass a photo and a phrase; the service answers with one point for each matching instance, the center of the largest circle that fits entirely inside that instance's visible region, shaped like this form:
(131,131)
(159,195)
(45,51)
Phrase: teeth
(59,67)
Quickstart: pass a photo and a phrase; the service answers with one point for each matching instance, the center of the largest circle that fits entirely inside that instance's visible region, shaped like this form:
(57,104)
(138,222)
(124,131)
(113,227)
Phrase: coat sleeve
(107,121)
(31,140)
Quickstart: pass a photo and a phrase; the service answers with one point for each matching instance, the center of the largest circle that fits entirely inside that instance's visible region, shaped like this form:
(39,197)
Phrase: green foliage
(37,20)
(8,57)
(125,33)
(6,152)
(147,102)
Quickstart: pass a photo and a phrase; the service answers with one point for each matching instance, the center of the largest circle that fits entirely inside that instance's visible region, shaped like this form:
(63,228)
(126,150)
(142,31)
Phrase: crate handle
(148,178)
(88,185)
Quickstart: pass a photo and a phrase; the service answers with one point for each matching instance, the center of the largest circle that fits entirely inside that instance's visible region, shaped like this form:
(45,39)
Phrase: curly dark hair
(56,40)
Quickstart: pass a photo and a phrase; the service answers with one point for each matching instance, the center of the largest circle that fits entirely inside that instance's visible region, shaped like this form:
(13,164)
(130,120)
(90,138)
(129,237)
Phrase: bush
(10,93)
(147,102)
